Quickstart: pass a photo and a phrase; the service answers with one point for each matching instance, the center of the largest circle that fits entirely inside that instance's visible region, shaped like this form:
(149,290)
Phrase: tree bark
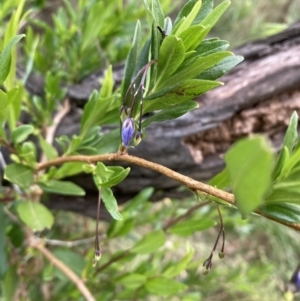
(258,96)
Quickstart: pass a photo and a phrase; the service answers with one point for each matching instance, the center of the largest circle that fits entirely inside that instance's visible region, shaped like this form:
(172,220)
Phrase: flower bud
(123,112)
(127,131)
(137,138)
(221,254)
(97,257)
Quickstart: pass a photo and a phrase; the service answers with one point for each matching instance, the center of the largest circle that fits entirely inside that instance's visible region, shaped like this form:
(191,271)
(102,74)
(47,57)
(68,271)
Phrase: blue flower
(127,131)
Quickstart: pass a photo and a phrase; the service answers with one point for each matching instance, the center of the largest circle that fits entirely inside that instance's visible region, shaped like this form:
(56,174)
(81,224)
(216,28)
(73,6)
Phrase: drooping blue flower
(127,131)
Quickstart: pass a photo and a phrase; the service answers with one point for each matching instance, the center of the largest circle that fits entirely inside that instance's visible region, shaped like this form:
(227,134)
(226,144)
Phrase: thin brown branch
(189,182)
(114,259)
(74,243)
(7,145)
(36,243)
(174,221)
(50,131)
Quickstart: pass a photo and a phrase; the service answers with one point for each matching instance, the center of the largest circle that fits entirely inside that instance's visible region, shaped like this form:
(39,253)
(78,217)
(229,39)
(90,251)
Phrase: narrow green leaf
(221,68)
(158,13)
(196,67)
(110,203)
(282,212)
(249,163)
(221,180)
(68,169)
(211,19)
(132,280)
(5,58)
(291,134)
(132,59)
(171,113)
(48,149)
(134,204)
(188,20)
(185,10)
(21,133)
(186,228)
(62,187)
(10,283)
(175,268)
(108,83)
(119,228)
(171,56)
(287,192)
(281,160)
(3,257)
(116,178)
(210,46)
(149,243)
(191,36)
(19,174)
(206,8)
(164,287)
(72,259)
(35,215)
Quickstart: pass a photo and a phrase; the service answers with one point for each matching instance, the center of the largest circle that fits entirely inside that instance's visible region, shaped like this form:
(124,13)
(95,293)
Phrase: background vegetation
(260,255)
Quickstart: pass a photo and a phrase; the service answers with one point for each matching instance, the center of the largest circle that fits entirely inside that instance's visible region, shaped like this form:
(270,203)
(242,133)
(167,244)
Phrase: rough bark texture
(259,96)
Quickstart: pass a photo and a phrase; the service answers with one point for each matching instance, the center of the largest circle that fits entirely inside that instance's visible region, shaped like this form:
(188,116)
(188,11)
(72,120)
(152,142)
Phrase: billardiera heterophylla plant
(165,70)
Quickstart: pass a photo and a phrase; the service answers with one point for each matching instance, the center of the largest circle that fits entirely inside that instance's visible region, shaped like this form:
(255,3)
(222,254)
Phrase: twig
(50,132)
(70,244)
(174,221)
(36,243)
(189,182)
(7,145)
(114,259)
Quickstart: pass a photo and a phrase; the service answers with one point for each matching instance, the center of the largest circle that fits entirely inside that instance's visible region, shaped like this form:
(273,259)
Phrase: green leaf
(109,142)
(206,8)
(110,203)
(21,133)
(281,160)
(3,257)
(282,212)
(19,174)
(249,163)
(132,59)
(5,58)
(35,215)
(211,19)
(191,36)
(221,180)
(132,280)
(120,228)
(108,83)
(158,13)
(171,113)
(97,111)
(211,46)
(171,56)
(62,187)
(109,176)
(164,287)
(72,259)
(149,243)
(186,9)
(175,268)
(186,21)
(221,68)
(291,134)
(196,67)
(186,228)
(68,169)
(134,204)
(48,149)
(288,192)
(10,283)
